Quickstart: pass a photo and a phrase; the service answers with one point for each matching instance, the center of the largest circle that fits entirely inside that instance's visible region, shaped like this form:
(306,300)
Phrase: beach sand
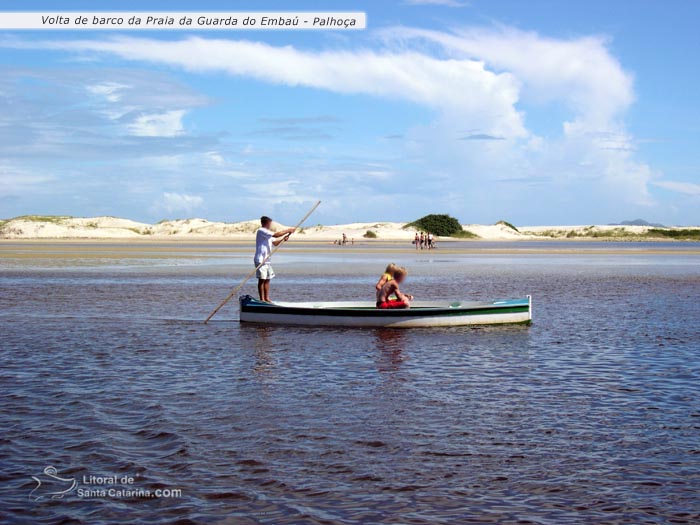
(17,254)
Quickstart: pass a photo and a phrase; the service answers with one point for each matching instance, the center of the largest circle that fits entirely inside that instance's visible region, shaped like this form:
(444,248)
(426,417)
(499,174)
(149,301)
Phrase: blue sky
(538,112)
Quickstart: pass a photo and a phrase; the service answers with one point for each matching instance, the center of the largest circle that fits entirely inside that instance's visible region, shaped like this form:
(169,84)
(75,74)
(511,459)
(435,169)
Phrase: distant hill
(639,222)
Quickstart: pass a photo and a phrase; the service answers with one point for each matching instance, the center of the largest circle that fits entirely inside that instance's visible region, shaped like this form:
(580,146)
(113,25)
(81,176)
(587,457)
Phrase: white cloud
(580,71)
(686,188)
(167,124)
(280,189)
(110,91)
(460,86)
(478,83)
(483,78)
(177,202)
(16,181)
(215,158)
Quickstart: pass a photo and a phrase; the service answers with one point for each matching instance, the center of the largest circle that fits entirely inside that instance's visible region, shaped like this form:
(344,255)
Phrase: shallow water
(588,416)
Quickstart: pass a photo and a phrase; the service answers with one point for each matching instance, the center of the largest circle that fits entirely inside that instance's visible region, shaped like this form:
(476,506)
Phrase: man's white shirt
(263,244)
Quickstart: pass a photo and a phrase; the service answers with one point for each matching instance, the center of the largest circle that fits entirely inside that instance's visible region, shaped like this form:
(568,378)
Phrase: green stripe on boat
(426,314)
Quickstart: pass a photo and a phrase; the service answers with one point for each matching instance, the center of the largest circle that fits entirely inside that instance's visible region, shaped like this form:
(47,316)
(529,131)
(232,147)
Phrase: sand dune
(53,227)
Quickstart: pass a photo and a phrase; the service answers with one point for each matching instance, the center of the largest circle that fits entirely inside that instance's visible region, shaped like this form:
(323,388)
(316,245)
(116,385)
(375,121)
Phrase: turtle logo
(51,486)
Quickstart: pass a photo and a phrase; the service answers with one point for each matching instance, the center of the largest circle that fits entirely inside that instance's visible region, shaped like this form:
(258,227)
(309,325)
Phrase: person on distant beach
(430,241)
(345,239)
(387,276)
(416,240)
(384,300)
(264,241)
(422,240)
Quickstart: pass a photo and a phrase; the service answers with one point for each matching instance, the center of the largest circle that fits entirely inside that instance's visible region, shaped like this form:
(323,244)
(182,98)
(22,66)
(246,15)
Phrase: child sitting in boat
(384,300)
(387,276)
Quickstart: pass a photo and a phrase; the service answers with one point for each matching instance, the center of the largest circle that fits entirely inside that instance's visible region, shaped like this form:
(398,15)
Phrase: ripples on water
(589,416)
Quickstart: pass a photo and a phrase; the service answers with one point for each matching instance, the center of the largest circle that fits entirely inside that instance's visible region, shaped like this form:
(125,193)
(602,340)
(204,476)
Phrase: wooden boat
(366,314)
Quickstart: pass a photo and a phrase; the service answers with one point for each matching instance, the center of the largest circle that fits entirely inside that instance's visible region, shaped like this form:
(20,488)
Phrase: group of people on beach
(388,293)
(343,241)
(424,241)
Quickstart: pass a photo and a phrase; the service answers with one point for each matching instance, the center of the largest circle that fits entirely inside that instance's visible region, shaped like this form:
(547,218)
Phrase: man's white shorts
(265,272)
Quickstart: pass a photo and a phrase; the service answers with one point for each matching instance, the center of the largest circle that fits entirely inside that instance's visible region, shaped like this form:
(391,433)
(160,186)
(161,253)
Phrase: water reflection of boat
(391,343)
(365,314)
(262,342)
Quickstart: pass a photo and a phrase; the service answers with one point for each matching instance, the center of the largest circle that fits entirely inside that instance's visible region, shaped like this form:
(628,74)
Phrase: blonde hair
(400,270)
(391,269)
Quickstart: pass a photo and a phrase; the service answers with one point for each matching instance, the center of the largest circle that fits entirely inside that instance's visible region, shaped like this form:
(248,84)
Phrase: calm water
(591,415)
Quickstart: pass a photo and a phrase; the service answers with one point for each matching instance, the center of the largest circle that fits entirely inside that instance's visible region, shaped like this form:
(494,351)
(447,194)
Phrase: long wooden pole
(247,278)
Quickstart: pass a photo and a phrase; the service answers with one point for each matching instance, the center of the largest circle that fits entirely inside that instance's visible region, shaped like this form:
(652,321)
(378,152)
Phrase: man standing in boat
(265,239)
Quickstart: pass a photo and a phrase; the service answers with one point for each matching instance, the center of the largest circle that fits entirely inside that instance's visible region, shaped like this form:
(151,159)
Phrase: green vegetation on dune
(442,225)
(543,233)
(621,233)
(508,225)
(465,234)
(591,233)
(684,234)
(143,231)
(369,234)
(54,219)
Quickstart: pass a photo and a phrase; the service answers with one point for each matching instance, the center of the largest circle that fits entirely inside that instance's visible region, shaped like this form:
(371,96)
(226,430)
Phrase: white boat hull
(360,314)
